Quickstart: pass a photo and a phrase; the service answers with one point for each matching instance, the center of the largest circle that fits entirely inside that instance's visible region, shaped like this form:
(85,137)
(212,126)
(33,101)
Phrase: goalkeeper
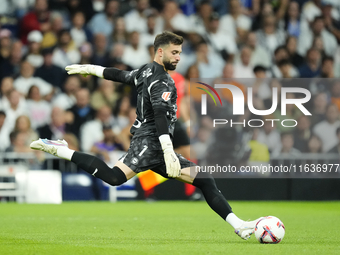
(151,146)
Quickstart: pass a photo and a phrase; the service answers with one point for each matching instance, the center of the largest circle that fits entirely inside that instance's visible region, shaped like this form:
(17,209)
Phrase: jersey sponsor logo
(147,73)
(131,73)
(166,96)
(134,161)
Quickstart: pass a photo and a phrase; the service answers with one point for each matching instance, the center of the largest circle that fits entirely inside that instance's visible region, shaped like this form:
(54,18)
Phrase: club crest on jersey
(147,73)
(166,96)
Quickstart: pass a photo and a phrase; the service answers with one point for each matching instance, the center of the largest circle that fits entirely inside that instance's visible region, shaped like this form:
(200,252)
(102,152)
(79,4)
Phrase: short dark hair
(327,58)
(283,62)
(166,38)
(259,68)
(281,47)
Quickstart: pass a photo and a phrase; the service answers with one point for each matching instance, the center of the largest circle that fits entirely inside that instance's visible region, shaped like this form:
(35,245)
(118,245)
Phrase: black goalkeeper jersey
(156,101)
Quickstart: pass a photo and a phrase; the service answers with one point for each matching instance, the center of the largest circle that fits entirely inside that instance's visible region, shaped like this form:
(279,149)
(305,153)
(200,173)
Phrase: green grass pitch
(162,228)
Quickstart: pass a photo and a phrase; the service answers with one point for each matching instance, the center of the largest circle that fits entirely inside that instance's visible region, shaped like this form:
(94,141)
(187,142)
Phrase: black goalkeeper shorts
(181,137)
(146,153)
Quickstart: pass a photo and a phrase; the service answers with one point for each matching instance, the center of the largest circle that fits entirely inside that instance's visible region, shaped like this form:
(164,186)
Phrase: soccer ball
(269,230)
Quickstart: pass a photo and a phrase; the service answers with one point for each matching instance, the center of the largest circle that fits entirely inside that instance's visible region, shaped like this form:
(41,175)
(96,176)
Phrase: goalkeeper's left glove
(85,70)
(173,167)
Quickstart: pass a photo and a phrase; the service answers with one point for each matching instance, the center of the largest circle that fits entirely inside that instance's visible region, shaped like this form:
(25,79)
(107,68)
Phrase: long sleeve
(114,74)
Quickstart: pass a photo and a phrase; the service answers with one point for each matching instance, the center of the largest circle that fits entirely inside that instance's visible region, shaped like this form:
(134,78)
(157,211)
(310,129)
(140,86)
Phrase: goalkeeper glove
(173,167)
(85,70)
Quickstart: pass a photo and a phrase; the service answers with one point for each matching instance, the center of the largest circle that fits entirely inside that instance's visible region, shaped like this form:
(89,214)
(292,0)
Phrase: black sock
(98,168)
(212,195)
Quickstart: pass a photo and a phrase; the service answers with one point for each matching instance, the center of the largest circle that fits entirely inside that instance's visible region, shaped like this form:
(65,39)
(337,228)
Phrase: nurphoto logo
(238,104)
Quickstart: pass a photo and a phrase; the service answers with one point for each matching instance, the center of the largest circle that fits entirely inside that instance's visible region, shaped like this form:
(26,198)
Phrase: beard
(168,65)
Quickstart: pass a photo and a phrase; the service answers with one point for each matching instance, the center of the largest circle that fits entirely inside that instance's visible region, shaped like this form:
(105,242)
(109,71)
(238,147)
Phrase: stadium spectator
(270,36)
(135,54)
(5,44)
(23,125)
(16,107)
(332,24)
(314,144)
(312,66)
(209,63)
(265,9)
(79,33)
(85,6)
(261,87)
(228,77)
(326,129)
(35,20)
(318,110)
(260,55)
(201,144)
(244,69)
(286,147)
(110,143)
(269,135)
(222,43)
(121,112)
(49,72)
(34,56)
(336,148)
(92,132)
(57,128)
(66,52)
(302,133)
(292,20)
(102,23)
(86,51)
(38,110)
(259,151)
(6,88)
(4,132)
(136,19)
(310,10)
(18,143)
(81,111)
(67,99)
(56,26)
(120,35)
(172,19)
(327,68)
(104,95)
(281,53)
(15,59)
(291,46)
(100,55)
(199,21)
(26,80)
(6,67)
(285,68)
(317,29)
(318,44)
(117,52)
(146,38)
(235,24)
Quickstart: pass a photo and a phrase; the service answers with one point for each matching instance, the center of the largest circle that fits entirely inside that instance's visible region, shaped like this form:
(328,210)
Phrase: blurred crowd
(224,39)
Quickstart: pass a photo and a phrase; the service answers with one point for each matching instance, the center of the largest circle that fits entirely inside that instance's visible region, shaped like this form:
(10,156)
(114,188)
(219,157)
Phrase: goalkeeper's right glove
(85,70)
(173,167)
